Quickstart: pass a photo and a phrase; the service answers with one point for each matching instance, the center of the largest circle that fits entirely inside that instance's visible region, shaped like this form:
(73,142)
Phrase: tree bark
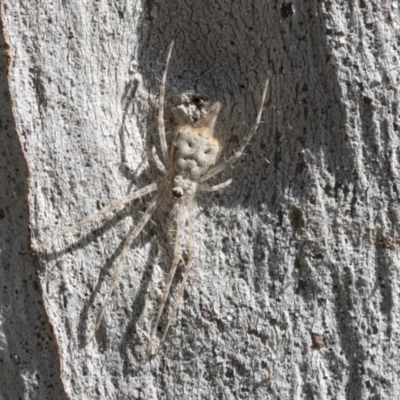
(295,294)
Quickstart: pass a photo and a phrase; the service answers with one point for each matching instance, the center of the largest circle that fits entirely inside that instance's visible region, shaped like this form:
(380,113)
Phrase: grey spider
(194,153)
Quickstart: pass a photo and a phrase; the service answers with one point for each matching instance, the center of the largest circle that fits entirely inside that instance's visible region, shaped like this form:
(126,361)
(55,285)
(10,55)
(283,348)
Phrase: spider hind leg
(185,216)
(132,235)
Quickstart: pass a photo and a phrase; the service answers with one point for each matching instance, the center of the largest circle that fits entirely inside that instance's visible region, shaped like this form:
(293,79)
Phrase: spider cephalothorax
(194,153)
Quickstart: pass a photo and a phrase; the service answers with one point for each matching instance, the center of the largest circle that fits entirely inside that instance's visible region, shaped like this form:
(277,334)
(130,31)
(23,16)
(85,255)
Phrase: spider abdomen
(195,150)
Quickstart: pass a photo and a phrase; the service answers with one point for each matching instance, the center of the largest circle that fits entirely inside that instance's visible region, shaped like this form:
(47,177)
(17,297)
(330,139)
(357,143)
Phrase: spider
(194,153)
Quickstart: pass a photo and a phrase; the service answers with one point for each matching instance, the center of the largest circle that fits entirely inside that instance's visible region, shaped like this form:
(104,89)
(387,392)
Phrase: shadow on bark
(29,360)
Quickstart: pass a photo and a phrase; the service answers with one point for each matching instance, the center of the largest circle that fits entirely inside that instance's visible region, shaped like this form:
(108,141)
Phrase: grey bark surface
(296,290)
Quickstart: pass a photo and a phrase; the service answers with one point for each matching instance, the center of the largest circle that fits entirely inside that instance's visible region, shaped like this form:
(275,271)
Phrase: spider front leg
(253,130)
(132,235)
(161,124)
(136,195)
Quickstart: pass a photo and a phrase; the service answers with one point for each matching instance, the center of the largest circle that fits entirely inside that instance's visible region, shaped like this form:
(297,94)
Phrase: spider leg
(189,264)
(206,188)
(161,124)
(132,235)
(139,193)
(157,160)
(253,130)
(180,225)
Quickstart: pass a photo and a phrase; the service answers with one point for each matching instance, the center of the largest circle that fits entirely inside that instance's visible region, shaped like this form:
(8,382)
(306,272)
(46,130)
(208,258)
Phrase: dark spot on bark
(300,167)
(367,100)
(297,218)
(318,340)
(208,315)
(286,10)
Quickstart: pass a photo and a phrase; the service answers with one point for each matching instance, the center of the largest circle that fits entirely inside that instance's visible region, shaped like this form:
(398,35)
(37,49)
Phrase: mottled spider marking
(194,151)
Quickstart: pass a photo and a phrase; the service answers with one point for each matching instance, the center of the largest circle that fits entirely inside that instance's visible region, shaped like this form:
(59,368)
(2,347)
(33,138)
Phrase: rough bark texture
(296,290)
